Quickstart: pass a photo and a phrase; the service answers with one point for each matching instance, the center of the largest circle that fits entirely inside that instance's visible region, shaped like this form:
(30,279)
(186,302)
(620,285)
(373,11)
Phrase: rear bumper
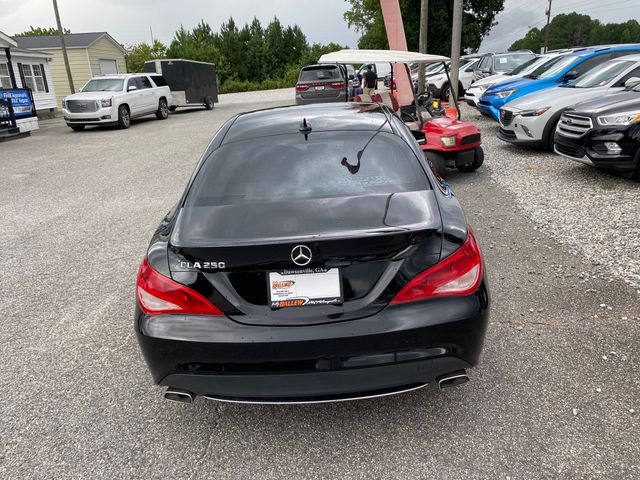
(400,347)
(300,100)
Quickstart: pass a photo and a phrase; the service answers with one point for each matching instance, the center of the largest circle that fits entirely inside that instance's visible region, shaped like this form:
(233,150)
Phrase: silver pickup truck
(115,100)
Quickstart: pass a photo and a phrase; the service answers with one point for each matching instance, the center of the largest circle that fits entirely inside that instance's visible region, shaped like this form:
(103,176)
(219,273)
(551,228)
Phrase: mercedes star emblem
(301,255)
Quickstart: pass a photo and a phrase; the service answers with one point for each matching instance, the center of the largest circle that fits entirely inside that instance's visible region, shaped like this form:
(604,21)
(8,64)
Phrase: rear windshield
(506,63)
(288,167)
(316,74)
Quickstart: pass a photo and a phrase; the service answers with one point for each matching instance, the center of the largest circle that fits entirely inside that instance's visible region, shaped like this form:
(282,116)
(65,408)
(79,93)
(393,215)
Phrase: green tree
(138,54)
(533,40)
(255,52)
(41,31)
(231,51)
(246,58)
(576,30)
(478,18)
(276,54)
(200,44)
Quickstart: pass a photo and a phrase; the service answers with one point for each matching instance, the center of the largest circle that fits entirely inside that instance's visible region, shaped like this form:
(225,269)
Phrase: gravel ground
(594,212)
(556,395)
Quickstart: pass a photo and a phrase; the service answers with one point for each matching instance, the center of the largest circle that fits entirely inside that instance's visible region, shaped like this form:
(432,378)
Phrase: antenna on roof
(305,128)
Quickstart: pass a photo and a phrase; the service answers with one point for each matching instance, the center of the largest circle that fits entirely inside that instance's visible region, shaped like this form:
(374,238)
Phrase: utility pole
(456,40)
(546,29)
(64,48)
(151,31)
(422,42)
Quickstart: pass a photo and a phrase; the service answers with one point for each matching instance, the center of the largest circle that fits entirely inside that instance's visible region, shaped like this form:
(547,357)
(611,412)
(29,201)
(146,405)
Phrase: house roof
(7,41)
(23,52)
(71,40)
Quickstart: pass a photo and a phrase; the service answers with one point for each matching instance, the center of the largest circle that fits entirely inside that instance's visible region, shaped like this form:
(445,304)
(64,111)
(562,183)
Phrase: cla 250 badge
(202,265)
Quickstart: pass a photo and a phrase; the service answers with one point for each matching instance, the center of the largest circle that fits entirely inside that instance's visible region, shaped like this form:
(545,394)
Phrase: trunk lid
(366,238)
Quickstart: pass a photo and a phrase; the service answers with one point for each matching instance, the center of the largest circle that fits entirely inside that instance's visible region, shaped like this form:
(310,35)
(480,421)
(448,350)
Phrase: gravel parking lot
(556,396)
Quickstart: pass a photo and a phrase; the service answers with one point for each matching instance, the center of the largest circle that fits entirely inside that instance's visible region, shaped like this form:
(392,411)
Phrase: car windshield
(506,63)
(522,67)
(602,74)
(323,164)
(318,74)
(553,67)
(104,85)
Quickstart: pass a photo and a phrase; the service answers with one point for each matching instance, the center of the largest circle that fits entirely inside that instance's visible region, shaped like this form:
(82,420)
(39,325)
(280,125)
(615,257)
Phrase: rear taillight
(159,294)
(458,274)
(302,88)
(338,85)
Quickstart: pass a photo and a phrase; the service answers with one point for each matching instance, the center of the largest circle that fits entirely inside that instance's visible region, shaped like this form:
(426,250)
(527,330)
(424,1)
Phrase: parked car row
(582,103)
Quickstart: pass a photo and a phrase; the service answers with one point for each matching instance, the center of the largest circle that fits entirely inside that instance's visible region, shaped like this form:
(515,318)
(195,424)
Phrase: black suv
(604,132)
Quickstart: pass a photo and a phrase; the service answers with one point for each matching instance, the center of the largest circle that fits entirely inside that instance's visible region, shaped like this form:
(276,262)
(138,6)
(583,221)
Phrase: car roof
(119,75)
(321,65)
(319,117)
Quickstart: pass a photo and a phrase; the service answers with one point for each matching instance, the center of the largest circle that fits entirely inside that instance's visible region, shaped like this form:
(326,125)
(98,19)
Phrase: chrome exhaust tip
(179,395)
(452,379)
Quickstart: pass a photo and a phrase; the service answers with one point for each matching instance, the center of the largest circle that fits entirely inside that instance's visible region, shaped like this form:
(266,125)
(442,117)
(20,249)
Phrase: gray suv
(500,63)
(323,83)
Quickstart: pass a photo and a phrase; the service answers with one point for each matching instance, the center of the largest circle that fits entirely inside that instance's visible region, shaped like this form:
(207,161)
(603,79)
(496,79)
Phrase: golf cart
(445,140)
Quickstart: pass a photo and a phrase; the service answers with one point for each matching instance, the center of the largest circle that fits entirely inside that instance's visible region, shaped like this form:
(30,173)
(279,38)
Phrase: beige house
(90,54)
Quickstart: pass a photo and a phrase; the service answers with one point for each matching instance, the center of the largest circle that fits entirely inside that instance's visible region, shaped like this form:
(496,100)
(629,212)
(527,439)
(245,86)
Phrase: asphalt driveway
(557,394)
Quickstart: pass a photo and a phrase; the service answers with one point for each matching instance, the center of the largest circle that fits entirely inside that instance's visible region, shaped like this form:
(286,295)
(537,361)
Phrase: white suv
(115,100)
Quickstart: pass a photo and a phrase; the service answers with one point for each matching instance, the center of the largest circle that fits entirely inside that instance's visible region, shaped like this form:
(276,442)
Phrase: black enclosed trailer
(192,83)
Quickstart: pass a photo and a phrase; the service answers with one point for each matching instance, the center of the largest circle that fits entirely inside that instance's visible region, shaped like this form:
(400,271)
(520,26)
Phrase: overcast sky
(321,20)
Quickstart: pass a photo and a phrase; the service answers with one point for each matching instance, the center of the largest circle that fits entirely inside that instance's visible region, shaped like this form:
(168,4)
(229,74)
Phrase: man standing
(370,81)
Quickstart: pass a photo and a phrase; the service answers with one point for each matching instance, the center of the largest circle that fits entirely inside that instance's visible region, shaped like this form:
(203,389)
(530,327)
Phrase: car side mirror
(131,88)
(631,82)
(570,75)
(351,76)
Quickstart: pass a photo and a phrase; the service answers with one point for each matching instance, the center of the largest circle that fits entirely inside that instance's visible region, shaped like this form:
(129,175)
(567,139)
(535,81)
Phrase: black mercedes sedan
(314,256)
(603,132)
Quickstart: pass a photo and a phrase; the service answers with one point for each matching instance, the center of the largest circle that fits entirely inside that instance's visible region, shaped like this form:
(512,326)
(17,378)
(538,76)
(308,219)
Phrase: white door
(108,67)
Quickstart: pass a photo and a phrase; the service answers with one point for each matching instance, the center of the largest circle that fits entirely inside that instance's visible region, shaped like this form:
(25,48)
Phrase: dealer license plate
(306,286)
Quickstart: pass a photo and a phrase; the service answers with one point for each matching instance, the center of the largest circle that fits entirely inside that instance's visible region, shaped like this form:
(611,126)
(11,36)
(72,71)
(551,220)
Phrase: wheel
(550,140)
(173,108)
(445,93)
(208,103)
(77,128)
(636,174)
(478,160)
(437,162)
(163,110)
(124,117)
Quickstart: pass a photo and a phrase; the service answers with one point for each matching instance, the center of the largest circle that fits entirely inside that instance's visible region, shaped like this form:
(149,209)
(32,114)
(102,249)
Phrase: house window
(5,78)
(33,77)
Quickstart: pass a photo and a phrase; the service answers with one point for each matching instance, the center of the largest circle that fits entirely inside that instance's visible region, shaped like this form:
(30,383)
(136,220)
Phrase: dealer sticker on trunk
(297,288)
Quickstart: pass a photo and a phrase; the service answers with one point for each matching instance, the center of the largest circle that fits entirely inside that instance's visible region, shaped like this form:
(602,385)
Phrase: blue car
(560,71)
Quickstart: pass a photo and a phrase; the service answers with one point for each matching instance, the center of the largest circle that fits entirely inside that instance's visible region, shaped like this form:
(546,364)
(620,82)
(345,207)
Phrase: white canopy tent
(379,56)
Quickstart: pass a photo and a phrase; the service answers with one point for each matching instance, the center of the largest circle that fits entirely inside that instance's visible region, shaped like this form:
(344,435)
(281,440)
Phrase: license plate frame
(304,287)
